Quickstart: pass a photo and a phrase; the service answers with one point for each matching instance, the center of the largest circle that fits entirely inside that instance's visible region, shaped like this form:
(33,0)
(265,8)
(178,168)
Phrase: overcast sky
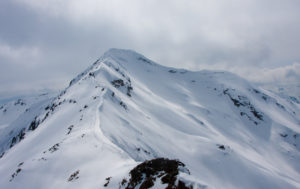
(45,43)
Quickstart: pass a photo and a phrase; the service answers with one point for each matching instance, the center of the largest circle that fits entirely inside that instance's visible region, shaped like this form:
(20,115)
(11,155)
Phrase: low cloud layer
(43,44)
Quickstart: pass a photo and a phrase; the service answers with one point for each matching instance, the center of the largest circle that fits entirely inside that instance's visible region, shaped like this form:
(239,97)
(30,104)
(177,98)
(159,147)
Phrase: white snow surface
(125,109)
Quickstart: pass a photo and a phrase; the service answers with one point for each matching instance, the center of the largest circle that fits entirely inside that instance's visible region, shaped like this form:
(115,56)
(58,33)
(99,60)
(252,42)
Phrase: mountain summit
(128,122)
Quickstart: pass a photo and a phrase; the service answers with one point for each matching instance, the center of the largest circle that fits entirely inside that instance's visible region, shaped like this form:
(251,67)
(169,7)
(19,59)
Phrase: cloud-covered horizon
(44,44)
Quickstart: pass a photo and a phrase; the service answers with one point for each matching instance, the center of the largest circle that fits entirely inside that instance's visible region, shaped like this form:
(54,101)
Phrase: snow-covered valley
(126,109)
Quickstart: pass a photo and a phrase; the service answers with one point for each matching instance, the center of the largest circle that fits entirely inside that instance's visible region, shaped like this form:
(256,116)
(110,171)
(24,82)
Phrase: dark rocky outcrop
(145,174)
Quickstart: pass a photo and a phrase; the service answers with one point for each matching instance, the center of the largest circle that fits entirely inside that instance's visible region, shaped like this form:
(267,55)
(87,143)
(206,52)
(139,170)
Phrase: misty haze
(149,94)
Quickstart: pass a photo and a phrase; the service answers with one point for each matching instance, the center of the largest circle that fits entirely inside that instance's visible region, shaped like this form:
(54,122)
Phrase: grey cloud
(52,41)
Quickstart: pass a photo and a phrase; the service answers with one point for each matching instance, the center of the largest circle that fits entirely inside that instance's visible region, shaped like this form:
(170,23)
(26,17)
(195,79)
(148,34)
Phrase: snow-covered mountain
(197,129)
(289,91)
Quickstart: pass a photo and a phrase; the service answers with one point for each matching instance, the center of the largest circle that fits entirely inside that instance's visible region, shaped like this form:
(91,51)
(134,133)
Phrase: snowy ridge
(125,109)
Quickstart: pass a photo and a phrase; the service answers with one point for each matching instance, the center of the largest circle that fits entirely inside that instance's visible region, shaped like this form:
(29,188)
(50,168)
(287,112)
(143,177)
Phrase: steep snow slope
(16,113)
(125,109)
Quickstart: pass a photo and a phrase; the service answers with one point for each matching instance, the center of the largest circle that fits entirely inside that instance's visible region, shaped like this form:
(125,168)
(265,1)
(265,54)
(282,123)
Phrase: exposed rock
(146,173)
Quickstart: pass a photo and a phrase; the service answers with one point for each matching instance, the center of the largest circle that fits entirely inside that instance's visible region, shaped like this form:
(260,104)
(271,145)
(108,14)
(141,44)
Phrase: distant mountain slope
(290,92)
(16,113)
(125,109)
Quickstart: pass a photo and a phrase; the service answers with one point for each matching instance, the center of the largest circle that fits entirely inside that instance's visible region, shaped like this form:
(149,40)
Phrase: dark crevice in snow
(2,155)
(222,147)
(20,136)
(16,172)
(107,181)
(143,150)
(291,137)
(42,159)
(54,148)
(70,129)
(123,105)
(172,71)
(74,176)
(20,102)
(34,124)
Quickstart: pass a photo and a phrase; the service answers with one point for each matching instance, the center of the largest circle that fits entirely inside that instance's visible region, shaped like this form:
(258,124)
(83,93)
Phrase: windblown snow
(125,109)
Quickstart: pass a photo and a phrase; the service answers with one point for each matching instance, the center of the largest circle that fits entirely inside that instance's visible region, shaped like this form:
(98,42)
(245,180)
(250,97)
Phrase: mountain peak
(118,52)
(117,59)
(124,56)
